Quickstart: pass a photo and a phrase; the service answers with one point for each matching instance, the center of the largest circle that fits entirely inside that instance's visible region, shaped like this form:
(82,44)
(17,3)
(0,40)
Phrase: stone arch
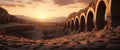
(72,23)
(115,10)
(100,14)
(77,23)
(90,19)
(82,22)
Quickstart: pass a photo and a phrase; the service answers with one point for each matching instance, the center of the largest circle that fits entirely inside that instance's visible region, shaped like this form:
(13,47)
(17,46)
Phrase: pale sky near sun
(43,9)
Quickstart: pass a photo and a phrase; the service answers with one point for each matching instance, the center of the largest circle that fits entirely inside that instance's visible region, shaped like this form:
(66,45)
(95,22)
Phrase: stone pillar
(95,26)
(86,27)
(109,24)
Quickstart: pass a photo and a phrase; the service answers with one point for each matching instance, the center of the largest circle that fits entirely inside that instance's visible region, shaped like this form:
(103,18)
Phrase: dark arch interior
(100,18)
(90,24)
(72,25)
(77,24)
(115,9)
(68,23)
(82,24)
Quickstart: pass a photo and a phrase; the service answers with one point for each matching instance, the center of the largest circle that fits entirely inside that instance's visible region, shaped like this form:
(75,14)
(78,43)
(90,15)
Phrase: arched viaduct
(98,15)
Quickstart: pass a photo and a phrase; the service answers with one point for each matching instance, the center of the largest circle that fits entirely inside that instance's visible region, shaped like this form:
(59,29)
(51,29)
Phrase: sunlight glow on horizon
(42,17)
(45,10)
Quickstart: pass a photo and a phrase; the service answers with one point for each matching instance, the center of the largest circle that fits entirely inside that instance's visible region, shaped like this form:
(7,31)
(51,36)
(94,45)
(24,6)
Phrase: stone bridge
(98,15)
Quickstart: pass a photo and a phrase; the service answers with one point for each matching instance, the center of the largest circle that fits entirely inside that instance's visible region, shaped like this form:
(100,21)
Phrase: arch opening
(72,25)
(90,23)
(115,9)
(100,16)
(82,24)
(76,24)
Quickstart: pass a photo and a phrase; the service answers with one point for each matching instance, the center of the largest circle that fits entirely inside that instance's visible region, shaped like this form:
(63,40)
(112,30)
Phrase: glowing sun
(42,17)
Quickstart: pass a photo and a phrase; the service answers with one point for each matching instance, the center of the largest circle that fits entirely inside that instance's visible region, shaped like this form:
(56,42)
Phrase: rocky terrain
(99,40)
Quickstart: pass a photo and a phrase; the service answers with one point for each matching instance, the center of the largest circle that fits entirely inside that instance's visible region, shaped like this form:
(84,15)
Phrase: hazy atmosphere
(59,24)
(44,10)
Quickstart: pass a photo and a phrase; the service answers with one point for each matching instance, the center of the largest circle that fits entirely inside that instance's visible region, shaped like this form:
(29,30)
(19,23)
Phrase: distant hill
(57,19)
(5,17)
(53,19)
(27,18)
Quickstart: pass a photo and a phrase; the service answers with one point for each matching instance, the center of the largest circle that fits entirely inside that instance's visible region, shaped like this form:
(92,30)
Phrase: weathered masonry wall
(98,15)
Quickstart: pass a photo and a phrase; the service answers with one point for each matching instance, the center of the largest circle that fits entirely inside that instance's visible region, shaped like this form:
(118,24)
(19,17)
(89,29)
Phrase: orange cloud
(19,1)
(63,2)
(84,1)
(29,3)
(72,7)
(37,0)
(8,5)
(8,0)
(12,5)
(15,3)
(67,2)
(20,5)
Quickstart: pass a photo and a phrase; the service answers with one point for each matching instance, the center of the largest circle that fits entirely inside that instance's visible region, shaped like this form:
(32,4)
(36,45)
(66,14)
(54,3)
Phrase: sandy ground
(58,38)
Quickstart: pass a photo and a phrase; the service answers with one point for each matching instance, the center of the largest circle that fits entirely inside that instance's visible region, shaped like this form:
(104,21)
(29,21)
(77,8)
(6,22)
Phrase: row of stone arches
(101,14)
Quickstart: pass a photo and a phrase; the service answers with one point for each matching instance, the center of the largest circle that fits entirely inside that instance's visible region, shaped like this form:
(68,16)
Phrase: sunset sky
(54,10)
